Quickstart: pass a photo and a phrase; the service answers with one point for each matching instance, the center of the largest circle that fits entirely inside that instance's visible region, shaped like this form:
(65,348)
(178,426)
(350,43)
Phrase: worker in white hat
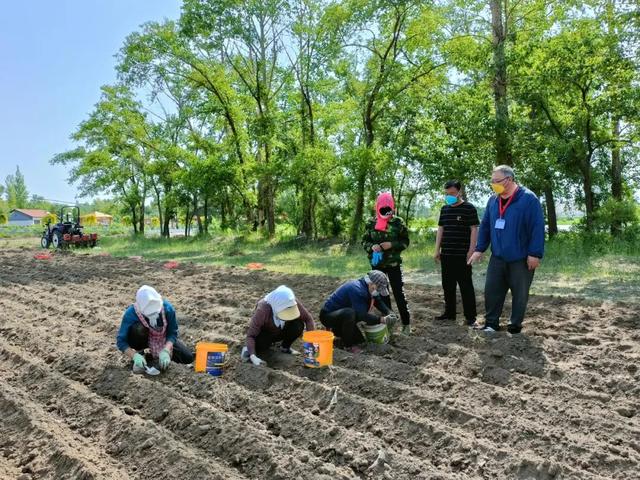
(150,323)
(278,317)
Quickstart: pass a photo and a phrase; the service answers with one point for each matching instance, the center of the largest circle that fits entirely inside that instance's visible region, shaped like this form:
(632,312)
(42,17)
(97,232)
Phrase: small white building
(26,216)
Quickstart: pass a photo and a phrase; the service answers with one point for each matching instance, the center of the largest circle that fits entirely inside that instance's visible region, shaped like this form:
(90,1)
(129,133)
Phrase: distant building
(25,216)
(96,218)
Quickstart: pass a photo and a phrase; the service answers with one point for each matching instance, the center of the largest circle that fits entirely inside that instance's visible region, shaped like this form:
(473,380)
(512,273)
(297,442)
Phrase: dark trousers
(501,277)
(343,323)
(287,335)
(455,271)
(397,286)
(138,339)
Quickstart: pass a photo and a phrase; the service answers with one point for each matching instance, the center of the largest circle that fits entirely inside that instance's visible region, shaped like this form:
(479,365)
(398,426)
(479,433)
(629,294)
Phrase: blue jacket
(131,318)
(352,294)
(523,233)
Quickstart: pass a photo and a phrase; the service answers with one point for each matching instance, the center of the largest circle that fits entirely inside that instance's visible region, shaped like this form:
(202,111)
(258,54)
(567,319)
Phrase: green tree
(114,154)
(16,190)
(388,48)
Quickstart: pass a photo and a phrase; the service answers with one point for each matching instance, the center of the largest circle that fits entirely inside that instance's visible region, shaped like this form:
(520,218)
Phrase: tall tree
(17,193)
(391,48)
(499,84)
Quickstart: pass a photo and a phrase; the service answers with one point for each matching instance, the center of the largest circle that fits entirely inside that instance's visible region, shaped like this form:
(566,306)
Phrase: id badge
(500,224)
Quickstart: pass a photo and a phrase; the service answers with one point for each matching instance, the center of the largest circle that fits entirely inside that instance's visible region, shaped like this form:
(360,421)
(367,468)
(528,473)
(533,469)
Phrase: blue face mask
(450,199)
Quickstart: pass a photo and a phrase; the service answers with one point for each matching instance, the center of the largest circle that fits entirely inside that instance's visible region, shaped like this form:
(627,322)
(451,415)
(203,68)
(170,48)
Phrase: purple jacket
(262,320)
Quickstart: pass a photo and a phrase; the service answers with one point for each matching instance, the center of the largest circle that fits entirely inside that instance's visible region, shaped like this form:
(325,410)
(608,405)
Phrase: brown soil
(561,400)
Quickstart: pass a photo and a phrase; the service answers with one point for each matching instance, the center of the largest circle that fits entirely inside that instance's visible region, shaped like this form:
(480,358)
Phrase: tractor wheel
(44,241)
(57,240)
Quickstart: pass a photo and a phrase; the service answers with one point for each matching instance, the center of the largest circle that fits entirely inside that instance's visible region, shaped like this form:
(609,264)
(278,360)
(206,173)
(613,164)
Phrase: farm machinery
(68,231)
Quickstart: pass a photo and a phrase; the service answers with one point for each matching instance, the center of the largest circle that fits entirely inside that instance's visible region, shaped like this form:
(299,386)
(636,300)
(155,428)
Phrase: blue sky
(54,56)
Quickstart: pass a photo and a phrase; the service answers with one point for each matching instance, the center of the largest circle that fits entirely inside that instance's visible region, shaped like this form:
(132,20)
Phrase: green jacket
(396,233)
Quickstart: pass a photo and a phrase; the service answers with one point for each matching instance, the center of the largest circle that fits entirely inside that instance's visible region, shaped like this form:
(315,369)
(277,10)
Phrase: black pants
(138,339)
(455,271)
(397,286)
(287,335)
(343,323)
(501,277)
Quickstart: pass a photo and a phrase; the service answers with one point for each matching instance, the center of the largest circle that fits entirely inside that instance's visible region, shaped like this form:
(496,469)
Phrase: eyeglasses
(500,181)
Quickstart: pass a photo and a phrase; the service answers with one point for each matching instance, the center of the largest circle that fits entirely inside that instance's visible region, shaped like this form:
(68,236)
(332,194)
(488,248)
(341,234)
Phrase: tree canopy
(300,111)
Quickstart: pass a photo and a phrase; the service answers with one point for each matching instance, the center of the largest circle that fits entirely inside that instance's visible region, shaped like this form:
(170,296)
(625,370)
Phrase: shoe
(444,316)
(289,350)
(488,329)
(471,322)
(137,369)
(406,329)
(514,329)
(244,354)
(474,325)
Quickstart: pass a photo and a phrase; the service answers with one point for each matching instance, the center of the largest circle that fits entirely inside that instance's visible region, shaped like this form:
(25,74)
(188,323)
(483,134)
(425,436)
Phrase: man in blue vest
(513,224)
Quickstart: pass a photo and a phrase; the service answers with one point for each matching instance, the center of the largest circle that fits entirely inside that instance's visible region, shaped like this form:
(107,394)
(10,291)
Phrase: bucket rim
(321,335)
(222,347)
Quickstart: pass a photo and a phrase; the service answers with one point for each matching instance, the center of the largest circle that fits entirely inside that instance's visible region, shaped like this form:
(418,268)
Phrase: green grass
(593,266)
(590,266)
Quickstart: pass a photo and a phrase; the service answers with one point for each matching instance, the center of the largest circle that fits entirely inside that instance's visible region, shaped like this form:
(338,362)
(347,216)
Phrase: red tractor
(68,231)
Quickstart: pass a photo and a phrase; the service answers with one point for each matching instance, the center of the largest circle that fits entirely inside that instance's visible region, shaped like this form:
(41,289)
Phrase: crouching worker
(349,308)
(150,323)
(278,317)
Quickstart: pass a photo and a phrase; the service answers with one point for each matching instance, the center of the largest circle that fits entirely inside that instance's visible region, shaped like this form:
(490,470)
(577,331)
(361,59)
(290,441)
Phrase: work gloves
(390,320)
(139,361)
(164,359)
(257,361)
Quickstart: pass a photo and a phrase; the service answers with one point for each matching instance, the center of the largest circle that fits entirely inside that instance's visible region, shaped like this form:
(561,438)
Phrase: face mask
(153,319)
(498,188)
(450,199)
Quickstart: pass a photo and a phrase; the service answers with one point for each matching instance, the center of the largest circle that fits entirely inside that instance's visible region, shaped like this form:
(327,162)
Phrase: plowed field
(562,400)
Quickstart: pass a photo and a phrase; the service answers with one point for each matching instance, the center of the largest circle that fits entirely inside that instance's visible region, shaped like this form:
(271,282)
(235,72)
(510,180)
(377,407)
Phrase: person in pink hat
(386,237)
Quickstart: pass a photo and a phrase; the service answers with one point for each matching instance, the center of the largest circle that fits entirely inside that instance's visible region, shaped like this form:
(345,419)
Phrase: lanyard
(502,209)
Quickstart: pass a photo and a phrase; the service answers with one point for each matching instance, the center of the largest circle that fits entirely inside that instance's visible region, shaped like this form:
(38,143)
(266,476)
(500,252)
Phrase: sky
(54,57)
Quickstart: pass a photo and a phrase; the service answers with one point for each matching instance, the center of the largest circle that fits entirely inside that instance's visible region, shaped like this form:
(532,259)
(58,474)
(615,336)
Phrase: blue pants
(501,277)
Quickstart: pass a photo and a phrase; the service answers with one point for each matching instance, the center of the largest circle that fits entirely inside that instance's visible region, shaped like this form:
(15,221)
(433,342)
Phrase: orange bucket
(318,348)
(211,357)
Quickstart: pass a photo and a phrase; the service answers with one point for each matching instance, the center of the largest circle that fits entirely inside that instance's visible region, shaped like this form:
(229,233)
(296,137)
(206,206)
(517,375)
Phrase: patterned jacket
(396,233)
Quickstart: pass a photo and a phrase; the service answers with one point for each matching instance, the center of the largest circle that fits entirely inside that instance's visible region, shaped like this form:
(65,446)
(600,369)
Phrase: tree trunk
(159,209)
(587,186)
(499,34)
(359,210)
(552,218)
(134,218)
(407,215)
(166,225)
(141,219)
(186,222)
(197,214)
(308,211)
(269,198)
(616,175)
(207,220)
